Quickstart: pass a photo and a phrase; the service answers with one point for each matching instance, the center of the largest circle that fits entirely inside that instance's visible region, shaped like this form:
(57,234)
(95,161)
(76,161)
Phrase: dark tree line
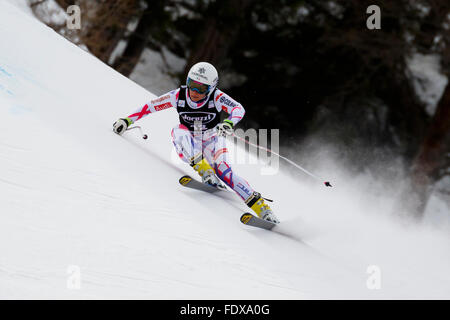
(303,66)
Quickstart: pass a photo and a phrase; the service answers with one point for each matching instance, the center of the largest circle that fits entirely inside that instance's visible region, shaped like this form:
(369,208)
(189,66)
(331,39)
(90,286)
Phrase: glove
(225,128)
(121,125)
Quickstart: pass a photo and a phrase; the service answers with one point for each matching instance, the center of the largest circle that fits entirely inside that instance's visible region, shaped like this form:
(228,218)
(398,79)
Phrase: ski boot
(257,204)
(206,171)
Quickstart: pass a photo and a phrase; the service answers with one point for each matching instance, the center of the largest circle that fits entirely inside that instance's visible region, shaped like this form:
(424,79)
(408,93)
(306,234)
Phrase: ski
(247,218)
(254,221)
(189,182)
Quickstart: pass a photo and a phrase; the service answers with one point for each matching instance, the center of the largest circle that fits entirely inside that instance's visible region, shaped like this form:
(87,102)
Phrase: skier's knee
(225,173)
(178,131)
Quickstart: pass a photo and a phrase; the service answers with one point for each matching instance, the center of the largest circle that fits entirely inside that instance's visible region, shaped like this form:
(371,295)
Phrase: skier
(200,138)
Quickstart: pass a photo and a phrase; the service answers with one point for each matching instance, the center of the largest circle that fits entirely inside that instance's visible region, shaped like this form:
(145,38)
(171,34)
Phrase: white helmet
(204,73)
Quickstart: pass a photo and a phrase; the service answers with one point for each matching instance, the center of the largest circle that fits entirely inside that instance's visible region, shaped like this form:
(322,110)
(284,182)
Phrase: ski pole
(327,183)
(144,136)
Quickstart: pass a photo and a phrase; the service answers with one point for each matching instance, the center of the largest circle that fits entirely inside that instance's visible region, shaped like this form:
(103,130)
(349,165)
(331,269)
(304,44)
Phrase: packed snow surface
(86,213)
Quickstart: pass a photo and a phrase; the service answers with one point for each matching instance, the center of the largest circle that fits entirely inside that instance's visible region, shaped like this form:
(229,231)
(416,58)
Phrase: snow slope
(75,196)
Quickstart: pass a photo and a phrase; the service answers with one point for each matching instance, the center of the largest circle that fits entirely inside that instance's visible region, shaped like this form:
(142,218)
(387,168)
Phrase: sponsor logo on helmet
(199,76)
(227,102)
(202,70)
(203,117)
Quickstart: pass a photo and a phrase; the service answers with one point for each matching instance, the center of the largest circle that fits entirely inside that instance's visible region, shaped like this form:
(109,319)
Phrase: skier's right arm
(165,101)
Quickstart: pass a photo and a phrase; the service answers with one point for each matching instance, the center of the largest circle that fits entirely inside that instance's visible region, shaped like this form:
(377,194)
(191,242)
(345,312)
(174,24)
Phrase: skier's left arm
(234,109)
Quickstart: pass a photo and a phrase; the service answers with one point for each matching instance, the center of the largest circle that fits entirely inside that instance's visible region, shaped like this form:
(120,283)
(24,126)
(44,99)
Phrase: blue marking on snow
(18,109)
(5,72)
(3,88)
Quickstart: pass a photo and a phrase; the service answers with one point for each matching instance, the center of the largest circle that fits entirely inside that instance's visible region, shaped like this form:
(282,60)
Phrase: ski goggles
(197,86)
